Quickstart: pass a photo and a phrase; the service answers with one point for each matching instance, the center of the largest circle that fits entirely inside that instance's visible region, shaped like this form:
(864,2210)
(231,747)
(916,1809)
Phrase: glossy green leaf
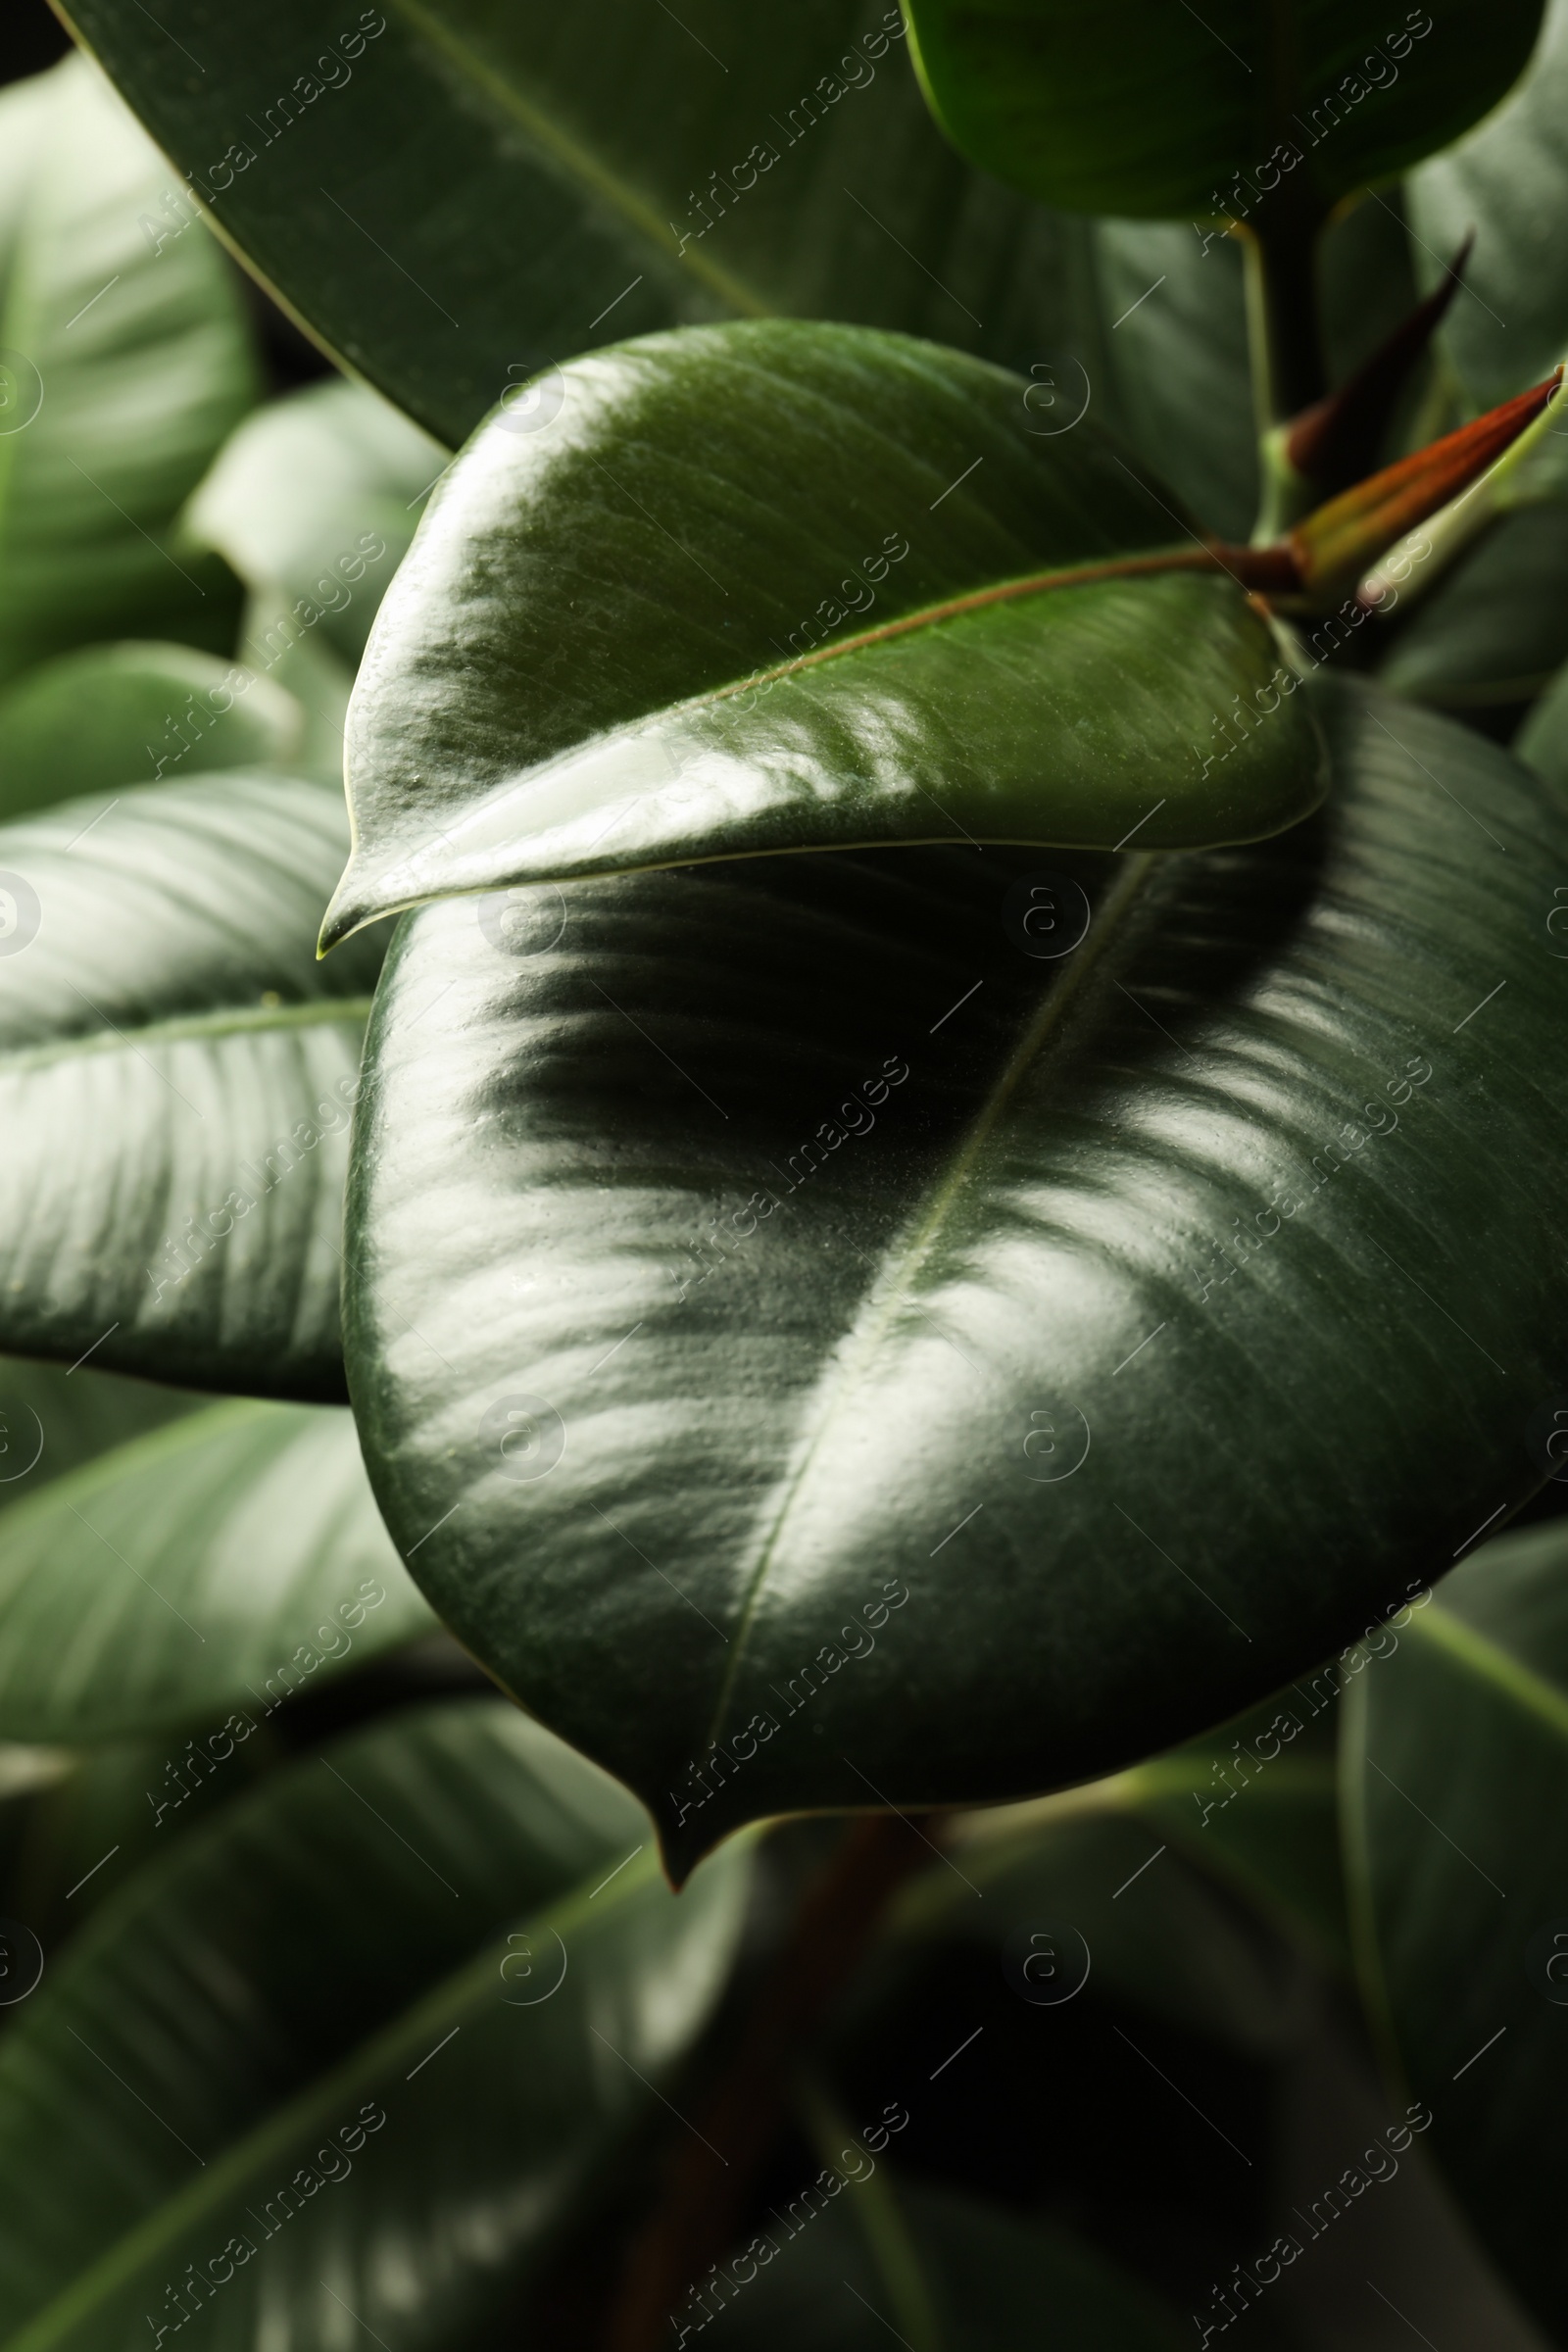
(123,366)
(177,1073)
(329,1950)
(866,214)
(1494,629)
(317,496)
(1510,182)
(133,714)
(454,198)
(779,1233)
(1457,1752)
(604,653)
(1146,109)
(996,2283)
(232,1559)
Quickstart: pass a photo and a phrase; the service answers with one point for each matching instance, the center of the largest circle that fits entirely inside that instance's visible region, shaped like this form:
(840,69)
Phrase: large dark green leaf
(127,714)
(786,1233)
(450,134)
(463,195)
(175,1078)
(1510,182)
(232,1559)
(1140,108)
(615,644)
(317,497)
(329,1948)
(121,369)
(1458,1755)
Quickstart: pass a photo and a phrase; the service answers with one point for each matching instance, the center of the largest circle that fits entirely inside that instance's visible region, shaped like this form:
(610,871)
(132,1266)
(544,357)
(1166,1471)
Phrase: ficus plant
(778,1017)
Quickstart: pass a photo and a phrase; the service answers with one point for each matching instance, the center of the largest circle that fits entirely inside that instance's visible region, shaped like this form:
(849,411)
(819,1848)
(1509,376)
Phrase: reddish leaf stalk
(700,2210)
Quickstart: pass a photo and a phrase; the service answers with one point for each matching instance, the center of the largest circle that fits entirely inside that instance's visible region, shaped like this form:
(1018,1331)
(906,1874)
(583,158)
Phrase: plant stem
(1282,313)
(709,2178)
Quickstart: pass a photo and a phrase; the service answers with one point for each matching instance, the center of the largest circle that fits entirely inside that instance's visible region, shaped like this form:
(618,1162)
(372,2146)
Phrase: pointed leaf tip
(1338,543)
(1336,441)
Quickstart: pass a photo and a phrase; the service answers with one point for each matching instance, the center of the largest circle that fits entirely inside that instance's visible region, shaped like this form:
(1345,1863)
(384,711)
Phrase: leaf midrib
(577,160)
(1490,1662)
(1444,1630)
(903,1263)
(955,607)
(1168,1776)
(1121,567)
(133,1454)
(446,2000)
(227,1021)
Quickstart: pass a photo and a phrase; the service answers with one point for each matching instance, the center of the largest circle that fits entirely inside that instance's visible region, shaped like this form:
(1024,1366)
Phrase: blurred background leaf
(1456,1761)
(224,1561)
(317,496)
(331,1939)
(125,365)
(1508,181)
(128,714)
(178,1071)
